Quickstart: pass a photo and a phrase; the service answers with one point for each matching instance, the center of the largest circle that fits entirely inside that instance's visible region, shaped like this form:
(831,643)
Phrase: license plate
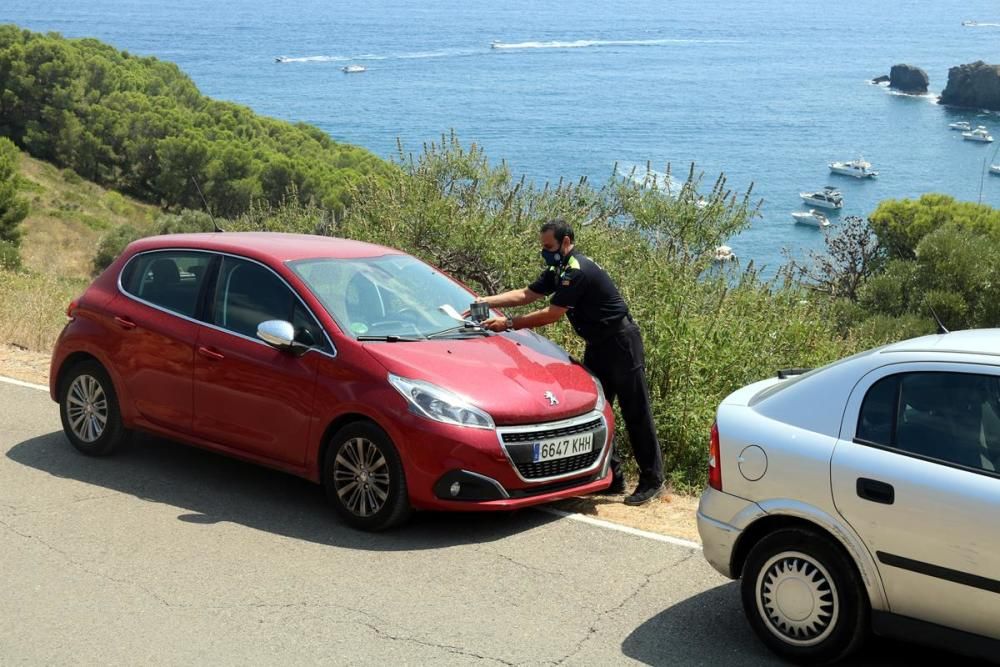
(560,448)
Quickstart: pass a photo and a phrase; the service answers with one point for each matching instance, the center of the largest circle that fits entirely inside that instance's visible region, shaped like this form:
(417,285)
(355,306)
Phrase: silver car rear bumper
(718,536)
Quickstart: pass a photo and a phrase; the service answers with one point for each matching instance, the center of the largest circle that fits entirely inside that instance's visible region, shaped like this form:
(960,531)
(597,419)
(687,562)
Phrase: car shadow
(710,629)
(210,488)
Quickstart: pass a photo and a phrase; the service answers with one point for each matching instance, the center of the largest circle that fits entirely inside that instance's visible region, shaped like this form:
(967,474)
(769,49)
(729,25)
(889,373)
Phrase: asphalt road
(165,554)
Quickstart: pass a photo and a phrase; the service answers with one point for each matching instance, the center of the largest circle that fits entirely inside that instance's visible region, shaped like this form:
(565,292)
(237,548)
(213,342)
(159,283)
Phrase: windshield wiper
(390,339)
(465,327)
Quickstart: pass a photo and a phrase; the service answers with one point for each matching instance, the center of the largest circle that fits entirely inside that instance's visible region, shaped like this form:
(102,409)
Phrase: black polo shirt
(595,307)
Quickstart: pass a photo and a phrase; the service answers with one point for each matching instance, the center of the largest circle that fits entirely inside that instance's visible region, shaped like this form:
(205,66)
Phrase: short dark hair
(559,228)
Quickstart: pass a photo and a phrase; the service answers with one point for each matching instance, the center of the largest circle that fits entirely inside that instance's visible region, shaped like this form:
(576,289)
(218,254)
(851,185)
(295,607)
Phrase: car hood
(507,375)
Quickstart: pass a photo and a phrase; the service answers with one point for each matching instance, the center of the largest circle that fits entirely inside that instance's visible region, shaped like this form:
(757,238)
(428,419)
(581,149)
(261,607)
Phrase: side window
(878,412)
(247,294)
(170,279)
(951,417)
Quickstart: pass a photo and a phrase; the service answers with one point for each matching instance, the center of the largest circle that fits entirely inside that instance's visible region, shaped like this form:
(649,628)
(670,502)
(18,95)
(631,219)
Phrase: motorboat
(995,169)
(828,197)
(970,24)
(282,59)
(813,218)
(857,168)
(962,125)
(353,69)
(723,254)
(980,134)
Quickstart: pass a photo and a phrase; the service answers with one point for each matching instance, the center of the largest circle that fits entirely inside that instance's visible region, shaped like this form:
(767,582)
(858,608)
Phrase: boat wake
(591,43)
(978,24)
(444,53)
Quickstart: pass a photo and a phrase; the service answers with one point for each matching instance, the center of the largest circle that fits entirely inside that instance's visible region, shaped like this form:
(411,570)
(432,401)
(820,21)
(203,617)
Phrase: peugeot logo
(552,398)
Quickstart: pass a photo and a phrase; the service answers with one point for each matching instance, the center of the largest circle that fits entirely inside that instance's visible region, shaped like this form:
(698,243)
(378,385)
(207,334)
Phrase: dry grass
(68,218)
(33,307)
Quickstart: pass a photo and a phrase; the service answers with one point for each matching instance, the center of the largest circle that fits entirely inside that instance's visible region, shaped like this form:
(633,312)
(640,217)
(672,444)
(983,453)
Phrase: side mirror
(281,335)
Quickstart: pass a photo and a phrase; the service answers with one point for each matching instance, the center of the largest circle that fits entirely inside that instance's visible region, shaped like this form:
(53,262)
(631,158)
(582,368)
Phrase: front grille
(520,446)
(532,436)
(558,466)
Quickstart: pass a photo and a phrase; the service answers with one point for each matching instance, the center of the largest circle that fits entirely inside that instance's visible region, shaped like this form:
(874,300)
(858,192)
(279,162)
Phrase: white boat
(962,125)
(995,169)
(828,197)
(857,168)
(724,254)
(813,218)
(282,59)
(353,69)
(980,134)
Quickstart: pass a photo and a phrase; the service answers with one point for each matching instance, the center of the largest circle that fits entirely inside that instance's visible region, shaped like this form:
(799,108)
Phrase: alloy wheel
(87,408)
(361,477)
(797,599)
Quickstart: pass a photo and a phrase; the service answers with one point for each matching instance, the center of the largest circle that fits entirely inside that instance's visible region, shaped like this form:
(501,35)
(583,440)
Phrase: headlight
(433,402)
(599,406)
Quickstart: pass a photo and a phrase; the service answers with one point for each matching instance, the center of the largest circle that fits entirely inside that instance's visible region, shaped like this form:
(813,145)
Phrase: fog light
(455,489)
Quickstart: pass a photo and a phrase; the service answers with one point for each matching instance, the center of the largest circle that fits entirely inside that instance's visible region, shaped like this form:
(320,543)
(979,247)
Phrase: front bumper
(717,512)
(490,472)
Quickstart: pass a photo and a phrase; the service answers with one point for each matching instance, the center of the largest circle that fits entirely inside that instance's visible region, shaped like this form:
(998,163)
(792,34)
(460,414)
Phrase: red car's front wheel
(364,479)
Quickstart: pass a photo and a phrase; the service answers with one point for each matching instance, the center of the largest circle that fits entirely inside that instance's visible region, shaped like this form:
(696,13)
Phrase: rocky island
(975,85)
(908,79)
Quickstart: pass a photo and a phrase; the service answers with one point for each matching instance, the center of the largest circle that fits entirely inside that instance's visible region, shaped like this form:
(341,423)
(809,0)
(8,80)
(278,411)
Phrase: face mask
(552,258)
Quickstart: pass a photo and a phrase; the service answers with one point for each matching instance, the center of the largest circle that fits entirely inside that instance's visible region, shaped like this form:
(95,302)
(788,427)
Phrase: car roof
(274,246)
(971,341)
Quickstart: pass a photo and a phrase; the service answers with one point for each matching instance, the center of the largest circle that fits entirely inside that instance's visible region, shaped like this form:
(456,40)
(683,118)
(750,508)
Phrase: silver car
(864,495)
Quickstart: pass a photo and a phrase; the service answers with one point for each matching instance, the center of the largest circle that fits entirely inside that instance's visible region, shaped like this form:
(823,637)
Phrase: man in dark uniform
(585,293)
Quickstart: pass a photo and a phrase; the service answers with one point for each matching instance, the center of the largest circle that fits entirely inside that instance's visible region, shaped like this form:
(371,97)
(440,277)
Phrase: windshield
(391,295)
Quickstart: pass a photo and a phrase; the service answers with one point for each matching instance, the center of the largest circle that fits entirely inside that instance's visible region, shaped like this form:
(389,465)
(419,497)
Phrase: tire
(820,613)
(363,478)
(86,397)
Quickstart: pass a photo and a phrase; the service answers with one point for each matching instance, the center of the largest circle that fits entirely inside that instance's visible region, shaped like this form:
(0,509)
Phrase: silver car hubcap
(361,477)
(797,599)
(87,408)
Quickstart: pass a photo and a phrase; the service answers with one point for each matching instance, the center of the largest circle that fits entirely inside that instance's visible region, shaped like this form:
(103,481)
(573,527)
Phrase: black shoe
(644,494)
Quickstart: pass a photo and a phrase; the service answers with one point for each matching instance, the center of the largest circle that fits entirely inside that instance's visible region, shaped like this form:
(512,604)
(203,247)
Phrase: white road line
(623,529)
(19,383)
(566,515)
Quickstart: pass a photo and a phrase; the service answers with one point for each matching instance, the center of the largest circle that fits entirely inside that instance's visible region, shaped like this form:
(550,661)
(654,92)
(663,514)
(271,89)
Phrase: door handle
(876,491)
(124,322)
(210,354)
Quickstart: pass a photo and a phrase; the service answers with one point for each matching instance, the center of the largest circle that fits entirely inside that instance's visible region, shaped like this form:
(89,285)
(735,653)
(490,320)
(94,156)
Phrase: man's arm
(538,318)
(515,297)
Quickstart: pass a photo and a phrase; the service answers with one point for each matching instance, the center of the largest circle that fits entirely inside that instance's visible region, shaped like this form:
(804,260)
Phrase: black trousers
(619,362)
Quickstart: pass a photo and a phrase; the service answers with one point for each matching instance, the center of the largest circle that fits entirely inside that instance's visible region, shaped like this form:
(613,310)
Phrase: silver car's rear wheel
(803,595)
(797,598)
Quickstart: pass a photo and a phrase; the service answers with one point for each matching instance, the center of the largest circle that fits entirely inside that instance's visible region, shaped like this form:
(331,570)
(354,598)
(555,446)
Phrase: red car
(342,362)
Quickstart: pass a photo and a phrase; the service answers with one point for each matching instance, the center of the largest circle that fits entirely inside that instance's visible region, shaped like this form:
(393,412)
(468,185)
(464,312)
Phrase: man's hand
(497,324)
(467,313)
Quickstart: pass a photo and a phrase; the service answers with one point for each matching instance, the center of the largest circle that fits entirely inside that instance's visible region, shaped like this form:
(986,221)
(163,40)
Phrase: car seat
(363,301)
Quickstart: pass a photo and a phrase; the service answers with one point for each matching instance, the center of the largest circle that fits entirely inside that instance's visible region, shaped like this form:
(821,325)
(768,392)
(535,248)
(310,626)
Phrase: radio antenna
(207,208)
(941,327)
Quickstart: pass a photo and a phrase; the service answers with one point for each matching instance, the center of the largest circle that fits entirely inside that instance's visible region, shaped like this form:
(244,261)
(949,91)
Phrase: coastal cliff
(974,85)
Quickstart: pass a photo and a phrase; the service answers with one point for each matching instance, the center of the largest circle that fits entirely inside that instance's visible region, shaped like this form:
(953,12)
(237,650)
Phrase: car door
(915,473)
(248,395)
(155,317)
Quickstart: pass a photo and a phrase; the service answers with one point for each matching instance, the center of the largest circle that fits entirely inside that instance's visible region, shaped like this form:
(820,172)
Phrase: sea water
(768,93)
